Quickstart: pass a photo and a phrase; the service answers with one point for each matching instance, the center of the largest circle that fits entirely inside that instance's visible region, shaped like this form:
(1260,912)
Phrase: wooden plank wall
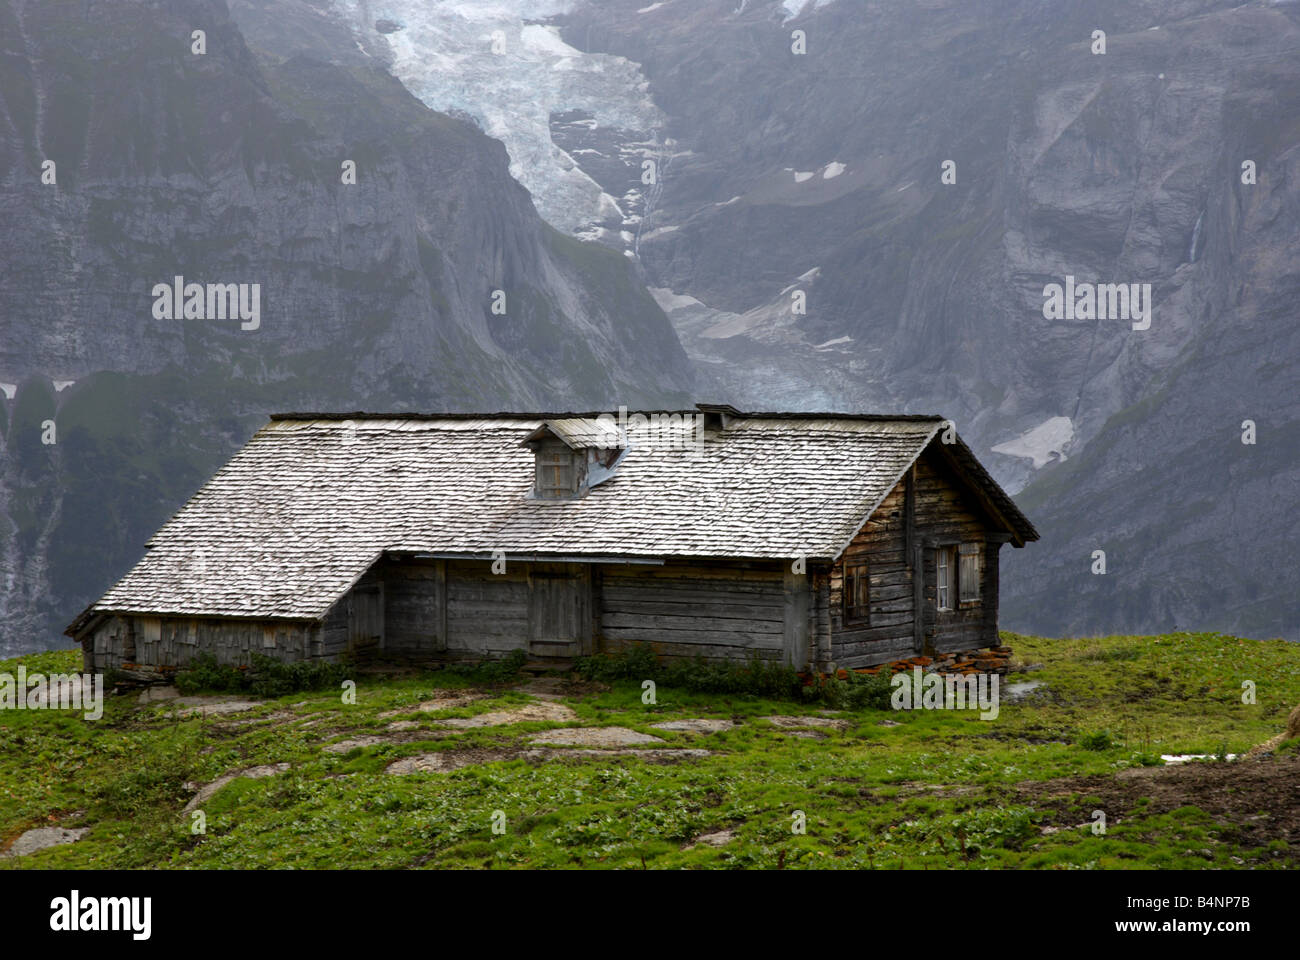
(943,511)
(153,642)
(414,599)
(727,611)
(487,613)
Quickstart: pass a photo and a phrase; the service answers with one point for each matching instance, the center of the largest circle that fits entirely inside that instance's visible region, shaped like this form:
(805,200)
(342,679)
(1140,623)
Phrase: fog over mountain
(837,204)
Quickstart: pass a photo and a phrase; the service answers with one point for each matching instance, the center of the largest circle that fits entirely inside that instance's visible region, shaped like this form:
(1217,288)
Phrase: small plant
(1097,740)
(266,677)
(494,672)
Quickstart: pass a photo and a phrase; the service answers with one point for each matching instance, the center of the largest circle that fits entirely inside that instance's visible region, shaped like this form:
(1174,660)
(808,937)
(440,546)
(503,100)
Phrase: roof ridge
(594,414)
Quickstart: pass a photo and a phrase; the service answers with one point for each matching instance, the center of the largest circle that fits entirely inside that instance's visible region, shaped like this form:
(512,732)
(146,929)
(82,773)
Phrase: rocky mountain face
(429,283)
(838,204)
(920,175)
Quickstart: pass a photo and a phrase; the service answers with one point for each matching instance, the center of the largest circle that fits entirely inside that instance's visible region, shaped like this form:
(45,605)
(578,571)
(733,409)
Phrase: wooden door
(366,618)
(559,610)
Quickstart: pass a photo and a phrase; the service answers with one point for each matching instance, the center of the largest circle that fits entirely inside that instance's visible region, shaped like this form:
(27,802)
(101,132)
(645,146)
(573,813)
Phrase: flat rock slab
(444,761)
(648,753)
(594,737)
(273,719)
(445,700)
(544,711)
(805,734)
(365,740)
(798,722)
(699,725)
(213,706)
(43,838)
(719,838)
(255,773)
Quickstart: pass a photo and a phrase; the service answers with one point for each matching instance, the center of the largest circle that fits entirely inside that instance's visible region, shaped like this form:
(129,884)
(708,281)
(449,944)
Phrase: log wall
(715,611)
(899,544)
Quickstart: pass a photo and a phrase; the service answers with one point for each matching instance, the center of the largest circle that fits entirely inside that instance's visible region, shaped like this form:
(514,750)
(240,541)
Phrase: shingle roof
(300,513)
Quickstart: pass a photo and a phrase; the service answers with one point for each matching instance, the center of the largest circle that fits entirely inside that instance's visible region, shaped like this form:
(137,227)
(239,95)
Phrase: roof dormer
(573,455)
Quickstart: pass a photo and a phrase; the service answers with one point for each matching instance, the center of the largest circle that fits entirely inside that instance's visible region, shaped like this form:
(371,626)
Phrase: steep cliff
(821,174)
(227,167)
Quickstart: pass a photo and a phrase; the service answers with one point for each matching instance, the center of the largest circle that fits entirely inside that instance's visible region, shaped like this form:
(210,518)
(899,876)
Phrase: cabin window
(944,569)
(555,473)
(857,593)
(968,576)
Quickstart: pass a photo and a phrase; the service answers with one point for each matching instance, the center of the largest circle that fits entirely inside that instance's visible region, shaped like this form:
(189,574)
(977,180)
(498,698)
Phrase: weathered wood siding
(899,544)
(415,596)
(888,634)
(947,513)
(127,642)
(725,611)
(487,613)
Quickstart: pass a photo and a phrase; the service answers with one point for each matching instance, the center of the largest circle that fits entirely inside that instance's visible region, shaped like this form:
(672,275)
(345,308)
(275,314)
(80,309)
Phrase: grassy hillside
(877,788)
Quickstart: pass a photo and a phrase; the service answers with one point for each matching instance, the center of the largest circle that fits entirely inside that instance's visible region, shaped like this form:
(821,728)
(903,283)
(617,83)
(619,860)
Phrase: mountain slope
(226,168)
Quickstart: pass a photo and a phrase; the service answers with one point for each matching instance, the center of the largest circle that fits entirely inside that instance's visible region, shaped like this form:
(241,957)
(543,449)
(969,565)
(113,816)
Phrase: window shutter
(968,577)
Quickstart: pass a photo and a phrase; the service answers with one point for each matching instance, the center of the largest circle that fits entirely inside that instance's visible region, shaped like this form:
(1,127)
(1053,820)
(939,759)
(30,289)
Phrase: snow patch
(659,232)
(832,343)
(800,176)
(1039,444)
(833,170)
(793,8)
(10,390)
(501,63)
(669,301)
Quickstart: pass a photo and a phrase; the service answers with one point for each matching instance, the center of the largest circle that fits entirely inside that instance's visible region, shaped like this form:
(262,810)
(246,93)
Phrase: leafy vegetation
(267,676)
(876,789)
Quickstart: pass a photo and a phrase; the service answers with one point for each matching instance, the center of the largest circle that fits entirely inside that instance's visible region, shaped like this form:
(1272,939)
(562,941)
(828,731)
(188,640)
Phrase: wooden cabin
(817,540)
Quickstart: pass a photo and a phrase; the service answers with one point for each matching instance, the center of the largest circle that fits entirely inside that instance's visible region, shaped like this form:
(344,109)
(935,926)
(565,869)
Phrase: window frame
(855,593)
(944,563)
(556,473)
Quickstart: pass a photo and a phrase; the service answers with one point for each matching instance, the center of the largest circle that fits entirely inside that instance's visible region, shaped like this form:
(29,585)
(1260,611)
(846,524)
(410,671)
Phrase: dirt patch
(699,725)
(156,694)
(556,688)
(594,737)
(256,773)
(796,722)
(544,711)
(1258,798)
(43,838)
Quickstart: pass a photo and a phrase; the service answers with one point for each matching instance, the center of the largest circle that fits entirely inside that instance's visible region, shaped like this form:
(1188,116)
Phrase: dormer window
(558,471)
(571,456)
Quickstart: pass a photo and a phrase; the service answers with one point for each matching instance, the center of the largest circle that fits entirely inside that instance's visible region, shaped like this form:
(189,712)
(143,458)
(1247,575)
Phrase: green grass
(939,790)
